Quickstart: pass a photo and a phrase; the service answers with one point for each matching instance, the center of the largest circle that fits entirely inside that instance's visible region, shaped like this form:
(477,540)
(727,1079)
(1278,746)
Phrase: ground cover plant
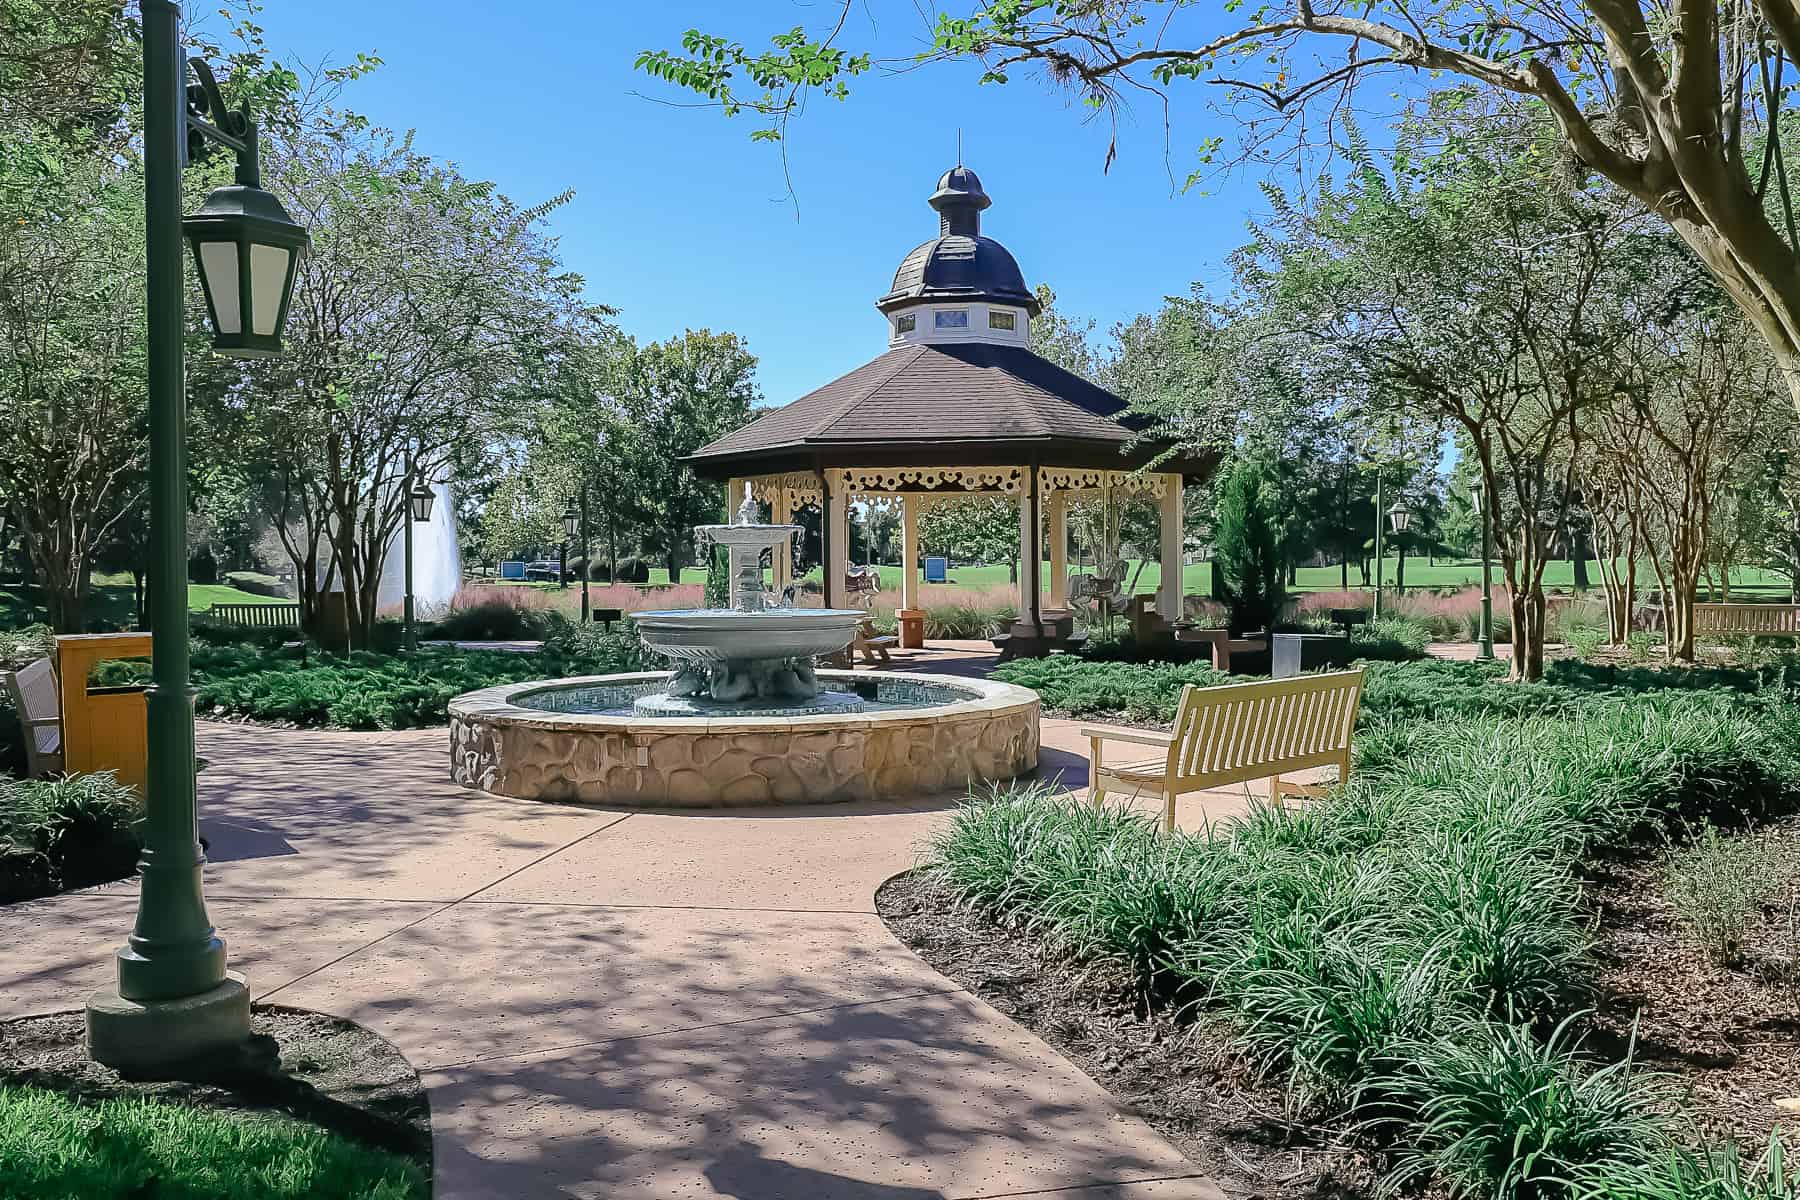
(1414,956)
(59,1147)
(301,685)
(68,832)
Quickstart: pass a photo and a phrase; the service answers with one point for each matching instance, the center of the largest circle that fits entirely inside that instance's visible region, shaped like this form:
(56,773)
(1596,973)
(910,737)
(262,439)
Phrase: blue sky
(681,222)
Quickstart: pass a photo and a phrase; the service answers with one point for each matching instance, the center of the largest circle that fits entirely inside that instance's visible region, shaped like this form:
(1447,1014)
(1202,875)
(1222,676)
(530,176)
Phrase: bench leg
(1168,812)
(1096,793)
(1275,790)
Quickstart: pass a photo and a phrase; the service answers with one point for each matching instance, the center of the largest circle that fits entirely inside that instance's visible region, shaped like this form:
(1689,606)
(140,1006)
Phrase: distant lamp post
(173,1004)
(419,499)
(1400,519)
(571,526)
(1486,650)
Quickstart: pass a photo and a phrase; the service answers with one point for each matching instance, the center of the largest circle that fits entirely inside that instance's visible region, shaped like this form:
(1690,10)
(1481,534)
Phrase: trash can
(1292,653)
(103,728)
(912,628)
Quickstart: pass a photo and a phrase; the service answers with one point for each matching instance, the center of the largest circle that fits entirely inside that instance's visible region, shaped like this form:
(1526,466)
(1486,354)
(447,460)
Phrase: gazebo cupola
(960,286)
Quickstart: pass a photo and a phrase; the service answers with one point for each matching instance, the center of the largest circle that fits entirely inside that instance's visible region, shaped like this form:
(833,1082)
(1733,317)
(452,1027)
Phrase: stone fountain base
(696,762)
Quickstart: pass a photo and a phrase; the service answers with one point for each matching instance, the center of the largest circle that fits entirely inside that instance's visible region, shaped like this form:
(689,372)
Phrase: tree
(977,528)
(1247,549)
(72,370)
(1479,287)
(677,396)
(1665,101)
(409,334)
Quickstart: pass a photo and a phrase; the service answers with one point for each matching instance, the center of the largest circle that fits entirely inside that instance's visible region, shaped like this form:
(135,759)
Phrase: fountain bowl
(927,735)
(731,635)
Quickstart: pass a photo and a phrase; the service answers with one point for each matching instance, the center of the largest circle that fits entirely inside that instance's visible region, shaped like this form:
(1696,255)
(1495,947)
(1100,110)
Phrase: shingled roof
(962,402)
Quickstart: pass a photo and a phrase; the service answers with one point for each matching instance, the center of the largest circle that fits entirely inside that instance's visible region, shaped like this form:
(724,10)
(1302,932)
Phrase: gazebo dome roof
(959,264)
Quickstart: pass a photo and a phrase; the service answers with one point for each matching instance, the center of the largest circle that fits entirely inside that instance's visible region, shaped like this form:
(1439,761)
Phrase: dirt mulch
(319,1069)
(1728,1036)
(1184,1078)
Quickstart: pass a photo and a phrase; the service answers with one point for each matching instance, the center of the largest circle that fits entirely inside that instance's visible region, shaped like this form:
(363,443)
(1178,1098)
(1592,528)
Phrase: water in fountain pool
(649,699)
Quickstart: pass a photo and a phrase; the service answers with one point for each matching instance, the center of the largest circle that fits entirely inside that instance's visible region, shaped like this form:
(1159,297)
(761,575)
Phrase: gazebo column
(1030,549)
(1169,523)
(912,626)
(781,558)
(837,538)
(1057,506)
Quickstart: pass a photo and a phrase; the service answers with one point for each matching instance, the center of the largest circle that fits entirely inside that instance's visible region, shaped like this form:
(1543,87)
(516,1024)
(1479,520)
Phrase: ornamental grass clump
(1389,952)
(1716,886)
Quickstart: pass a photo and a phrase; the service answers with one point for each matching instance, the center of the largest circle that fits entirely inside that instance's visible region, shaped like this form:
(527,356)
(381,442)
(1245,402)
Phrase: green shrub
(1695,1173)
(1496,1112)
(965,621)
(256,583)
(1247,552)
(1585,640)
(1716,885)
(500,619)
(1133,691)
(21,647)
(72,831)
(1391,639)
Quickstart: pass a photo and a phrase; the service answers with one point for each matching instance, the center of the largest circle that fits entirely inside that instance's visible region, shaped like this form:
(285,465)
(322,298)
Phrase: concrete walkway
(622,1005)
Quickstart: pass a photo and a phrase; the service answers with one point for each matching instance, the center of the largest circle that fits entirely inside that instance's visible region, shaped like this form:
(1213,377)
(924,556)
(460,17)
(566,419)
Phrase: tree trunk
(1399,571)
(1527,605)
(1578,560)
(1344,571)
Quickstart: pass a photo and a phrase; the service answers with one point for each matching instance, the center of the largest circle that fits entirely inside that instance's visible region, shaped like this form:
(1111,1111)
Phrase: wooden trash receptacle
(912,628)
(103,729)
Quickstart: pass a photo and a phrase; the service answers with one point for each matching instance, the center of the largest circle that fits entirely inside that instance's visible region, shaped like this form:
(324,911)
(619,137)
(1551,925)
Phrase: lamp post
(1486,650)
(419,499)
(1378,549)
(587,556)
(173,1001)
(571,522)
(1400,518)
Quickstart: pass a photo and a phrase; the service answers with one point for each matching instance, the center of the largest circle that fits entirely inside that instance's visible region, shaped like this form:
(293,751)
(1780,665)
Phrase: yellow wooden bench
(1758,620)
(1237,732)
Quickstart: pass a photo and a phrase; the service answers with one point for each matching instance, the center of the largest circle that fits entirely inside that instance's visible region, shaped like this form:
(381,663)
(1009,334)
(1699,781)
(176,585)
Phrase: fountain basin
(953,733)
(729,634)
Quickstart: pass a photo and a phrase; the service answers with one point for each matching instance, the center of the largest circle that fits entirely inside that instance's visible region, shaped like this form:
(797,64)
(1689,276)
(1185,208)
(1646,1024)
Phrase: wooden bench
(1757,620)
(258,616)
(38,701)
(1233,733)
(870,644)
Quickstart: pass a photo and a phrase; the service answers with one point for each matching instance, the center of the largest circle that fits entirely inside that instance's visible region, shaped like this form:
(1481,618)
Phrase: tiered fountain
(751,657)
(745,717)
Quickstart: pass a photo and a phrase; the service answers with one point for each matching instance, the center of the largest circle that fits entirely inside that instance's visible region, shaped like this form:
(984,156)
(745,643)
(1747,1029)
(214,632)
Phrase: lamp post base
(184,1035)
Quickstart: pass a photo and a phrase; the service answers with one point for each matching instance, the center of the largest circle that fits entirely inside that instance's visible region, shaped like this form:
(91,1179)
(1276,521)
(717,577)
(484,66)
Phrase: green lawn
(1420,572)
(53,1147)
(110,603)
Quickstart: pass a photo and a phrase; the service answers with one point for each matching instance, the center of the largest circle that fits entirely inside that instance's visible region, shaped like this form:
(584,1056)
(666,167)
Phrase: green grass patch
(57,1147)
(66,832)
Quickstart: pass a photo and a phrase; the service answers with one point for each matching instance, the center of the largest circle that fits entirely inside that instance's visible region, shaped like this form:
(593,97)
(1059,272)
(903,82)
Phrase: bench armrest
(34,722)
(1142,737)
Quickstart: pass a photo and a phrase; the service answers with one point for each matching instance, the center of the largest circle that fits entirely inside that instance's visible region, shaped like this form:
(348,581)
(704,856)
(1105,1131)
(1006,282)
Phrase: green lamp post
(1487,554)
(173,1002)
(571,523)
(1400,520)
(419,499)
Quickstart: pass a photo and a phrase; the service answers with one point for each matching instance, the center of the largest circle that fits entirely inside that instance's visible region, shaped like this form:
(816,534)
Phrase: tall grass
(1391,942)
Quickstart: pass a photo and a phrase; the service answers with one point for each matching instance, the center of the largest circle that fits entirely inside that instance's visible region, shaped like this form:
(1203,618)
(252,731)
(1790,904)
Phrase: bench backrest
(38,699)
(1239,731)
(1747,618)
(258,616)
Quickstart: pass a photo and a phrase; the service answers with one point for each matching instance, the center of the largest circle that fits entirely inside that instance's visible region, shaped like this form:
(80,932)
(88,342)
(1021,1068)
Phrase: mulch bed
(1729,1036)
(1183,1077)
(320,1069)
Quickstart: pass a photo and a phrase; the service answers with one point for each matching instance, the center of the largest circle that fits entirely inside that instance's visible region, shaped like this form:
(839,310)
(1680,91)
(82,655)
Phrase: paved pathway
(623,1005)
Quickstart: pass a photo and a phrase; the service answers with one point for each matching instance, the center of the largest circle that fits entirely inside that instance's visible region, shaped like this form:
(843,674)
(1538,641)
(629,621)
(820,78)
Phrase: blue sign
(512,570)
(937,570)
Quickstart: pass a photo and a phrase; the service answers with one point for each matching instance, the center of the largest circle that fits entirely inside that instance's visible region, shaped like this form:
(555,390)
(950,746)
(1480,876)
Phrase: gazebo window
(951,318)
(905,324)
(998,319)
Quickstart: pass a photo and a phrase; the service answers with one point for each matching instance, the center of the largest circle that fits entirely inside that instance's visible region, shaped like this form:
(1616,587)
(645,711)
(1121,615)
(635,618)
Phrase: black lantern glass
(247,249)
(420,499)
(571,521)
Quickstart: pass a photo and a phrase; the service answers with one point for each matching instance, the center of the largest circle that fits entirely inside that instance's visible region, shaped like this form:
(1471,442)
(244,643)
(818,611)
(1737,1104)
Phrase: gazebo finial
(959,200)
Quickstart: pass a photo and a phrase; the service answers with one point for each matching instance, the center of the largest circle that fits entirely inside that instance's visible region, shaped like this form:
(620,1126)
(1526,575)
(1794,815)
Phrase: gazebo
(958,405)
